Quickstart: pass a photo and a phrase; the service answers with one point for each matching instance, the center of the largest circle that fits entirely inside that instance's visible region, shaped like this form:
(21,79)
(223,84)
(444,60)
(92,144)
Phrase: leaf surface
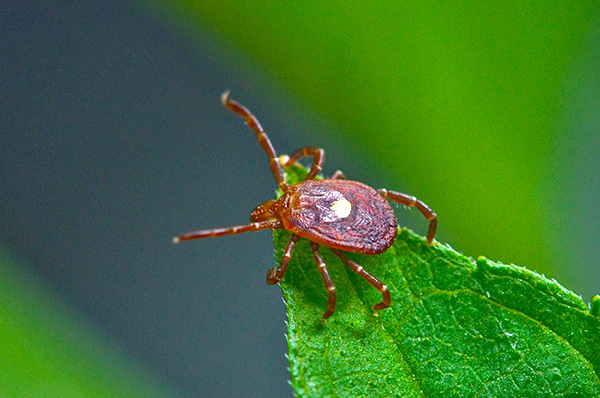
(456,327)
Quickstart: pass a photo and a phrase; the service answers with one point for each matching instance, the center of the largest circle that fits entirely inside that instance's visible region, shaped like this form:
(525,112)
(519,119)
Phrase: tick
(344,215)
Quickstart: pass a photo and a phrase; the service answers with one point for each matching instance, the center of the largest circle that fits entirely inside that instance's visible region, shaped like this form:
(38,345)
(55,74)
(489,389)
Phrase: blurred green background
(484,110)
(113,140)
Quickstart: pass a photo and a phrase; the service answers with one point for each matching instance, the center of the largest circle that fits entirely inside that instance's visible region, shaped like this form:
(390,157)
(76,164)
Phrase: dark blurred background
(113,139)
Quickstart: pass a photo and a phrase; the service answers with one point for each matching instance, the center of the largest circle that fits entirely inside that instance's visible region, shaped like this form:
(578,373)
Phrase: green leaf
(456,327)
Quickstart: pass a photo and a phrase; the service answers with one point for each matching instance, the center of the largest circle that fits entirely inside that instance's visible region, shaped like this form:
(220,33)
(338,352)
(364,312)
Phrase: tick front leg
(238,229)
(326,278)
(376,283)
(411,201)
(262,137)
(275,275)
(317,153)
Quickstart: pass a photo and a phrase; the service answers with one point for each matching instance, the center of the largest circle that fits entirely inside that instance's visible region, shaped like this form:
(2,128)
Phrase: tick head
(266,211)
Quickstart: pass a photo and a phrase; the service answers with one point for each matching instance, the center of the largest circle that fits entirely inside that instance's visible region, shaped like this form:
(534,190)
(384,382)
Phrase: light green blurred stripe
(47,349)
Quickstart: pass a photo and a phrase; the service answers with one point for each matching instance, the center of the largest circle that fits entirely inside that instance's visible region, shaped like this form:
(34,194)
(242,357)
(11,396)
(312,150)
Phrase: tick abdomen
(341,214)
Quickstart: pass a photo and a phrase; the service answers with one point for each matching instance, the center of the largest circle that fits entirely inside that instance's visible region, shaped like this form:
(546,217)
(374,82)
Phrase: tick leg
(275,275)
(263,139)
(411,201)
(326,278)
(238,229)
(317,153)
(376,283)
(338,175)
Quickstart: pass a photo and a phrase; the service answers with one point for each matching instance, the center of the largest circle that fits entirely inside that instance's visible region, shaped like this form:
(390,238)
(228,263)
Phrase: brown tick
(340,214)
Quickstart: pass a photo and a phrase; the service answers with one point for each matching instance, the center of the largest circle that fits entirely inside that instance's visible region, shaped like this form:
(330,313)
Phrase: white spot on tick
(342,208)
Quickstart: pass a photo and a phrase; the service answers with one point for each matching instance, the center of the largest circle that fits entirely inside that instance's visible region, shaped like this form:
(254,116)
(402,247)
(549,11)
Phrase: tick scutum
(341,214)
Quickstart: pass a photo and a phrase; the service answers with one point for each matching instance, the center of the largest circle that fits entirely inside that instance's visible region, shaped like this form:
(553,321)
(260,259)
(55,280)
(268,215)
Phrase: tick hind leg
(411,201)
(275,275)
(376,283)
(326,278)
(263,139)
(338,175)
(317,153)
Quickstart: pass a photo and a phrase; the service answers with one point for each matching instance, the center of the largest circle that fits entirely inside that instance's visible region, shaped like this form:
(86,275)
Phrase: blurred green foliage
(461,100)
(49,350)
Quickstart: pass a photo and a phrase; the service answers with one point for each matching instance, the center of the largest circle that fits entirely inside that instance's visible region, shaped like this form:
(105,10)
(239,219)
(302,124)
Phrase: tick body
(340,214)
(344,215)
